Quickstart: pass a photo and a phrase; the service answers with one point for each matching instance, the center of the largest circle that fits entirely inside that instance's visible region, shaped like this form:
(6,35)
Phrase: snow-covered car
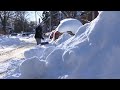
(68,25)
(55,34)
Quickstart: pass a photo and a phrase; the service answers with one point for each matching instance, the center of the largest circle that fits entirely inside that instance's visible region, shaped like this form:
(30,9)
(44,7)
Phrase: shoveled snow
(62,38)
(9,43)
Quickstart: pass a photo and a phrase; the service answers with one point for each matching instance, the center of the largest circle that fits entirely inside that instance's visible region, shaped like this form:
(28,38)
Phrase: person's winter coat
(38,33)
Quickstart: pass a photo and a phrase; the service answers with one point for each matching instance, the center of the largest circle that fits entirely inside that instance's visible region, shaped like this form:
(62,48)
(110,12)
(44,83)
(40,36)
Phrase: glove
(42,38)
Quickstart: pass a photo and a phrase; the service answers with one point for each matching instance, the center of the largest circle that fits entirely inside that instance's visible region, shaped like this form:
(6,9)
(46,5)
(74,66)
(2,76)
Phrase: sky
(32,15)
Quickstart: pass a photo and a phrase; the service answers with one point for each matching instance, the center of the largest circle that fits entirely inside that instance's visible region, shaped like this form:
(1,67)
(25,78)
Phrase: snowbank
(32,68)
(98,54)
(7,41)
(36,51)
(39,51)
(62,38)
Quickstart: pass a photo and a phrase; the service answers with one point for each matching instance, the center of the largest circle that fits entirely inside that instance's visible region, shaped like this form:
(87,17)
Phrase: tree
(32,26)
(45,15)
(70,14)
(83,16)
(45,21)
(50,19)
(20,21)
(53,18)
(5,17)
(88,16)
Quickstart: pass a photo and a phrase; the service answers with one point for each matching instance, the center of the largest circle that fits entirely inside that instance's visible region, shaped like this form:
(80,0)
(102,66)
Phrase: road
(13,54)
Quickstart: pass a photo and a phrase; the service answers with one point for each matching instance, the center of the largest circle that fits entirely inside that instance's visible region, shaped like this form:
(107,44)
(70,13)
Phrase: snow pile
(46,52)
(75,39)
(13,67)
(69,24)
(32,72)
(3,67)
(10,67)
(62,38)
(55,65)
(92,53)
(97,48)
(36,51)
(8,43)
(27,39)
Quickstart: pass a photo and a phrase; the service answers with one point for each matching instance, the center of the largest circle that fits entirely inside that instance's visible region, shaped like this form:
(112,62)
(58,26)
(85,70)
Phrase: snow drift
(8,43)
(62,38)
(97,48)
(93,53)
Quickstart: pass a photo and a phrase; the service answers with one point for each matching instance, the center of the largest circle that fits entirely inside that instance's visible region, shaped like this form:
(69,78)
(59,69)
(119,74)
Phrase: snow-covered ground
(93,53)
(10,42)
(12,50)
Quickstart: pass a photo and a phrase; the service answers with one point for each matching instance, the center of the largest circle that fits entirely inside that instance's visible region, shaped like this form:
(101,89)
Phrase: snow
(69,24)
(62,38)
(36,51)
(9,43)
(99,54)
(32,72)
(93,53)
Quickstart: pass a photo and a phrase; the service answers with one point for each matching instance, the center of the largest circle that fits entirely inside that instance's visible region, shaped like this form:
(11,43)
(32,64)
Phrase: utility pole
(36,17)
(60,15)
(93,15)
(23,21)
(50,20)
(39,20)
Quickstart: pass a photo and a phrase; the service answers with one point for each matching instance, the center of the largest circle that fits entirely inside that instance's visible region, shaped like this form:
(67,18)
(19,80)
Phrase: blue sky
(32,15)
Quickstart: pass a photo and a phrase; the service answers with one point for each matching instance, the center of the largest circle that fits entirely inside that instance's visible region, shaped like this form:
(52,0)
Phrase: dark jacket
(38,32)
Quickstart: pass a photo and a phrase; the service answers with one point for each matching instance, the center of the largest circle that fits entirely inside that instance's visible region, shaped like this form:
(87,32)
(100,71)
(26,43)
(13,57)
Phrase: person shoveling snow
(39,35)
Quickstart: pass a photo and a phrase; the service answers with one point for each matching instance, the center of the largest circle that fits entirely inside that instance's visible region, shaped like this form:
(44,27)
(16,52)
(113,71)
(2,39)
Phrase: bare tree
(69,14)
(21,19)
(5,17)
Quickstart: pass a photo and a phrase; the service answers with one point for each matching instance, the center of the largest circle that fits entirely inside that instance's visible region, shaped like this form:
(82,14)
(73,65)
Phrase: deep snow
(8,44)
(11,42)
(93,53)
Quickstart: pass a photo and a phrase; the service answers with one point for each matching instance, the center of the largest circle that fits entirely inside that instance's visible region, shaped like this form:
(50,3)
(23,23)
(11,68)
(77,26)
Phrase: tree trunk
(4,25)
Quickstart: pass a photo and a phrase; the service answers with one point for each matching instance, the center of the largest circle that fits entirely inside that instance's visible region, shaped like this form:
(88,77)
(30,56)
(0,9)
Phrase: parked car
(55,35)
(14,34)
(25,34)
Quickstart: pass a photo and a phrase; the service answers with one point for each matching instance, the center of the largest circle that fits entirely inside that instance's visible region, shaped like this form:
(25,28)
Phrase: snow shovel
(44,43)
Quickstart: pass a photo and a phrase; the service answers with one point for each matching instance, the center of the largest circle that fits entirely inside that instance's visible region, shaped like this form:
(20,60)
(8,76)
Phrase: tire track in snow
(15,53)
